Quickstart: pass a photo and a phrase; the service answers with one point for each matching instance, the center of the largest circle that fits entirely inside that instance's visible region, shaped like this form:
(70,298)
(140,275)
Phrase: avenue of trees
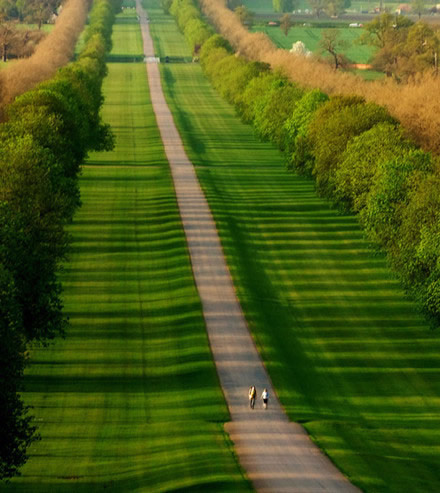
(358,154)
(46,136)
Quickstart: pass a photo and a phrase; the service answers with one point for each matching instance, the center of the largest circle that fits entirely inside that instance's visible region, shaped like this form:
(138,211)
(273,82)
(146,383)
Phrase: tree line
(358,154)
(45,138)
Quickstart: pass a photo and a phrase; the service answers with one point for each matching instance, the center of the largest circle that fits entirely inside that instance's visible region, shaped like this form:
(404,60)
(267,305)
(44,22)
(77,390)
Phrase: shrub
(388,196)
(296,151)
(334,125)
(274,108)
(359,162)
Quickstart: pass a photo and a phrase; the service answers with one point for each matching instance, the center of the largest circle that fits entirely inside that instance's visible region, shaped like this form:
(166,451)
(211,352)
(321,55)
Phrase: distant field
(311,36)
(130,400)
(348,353)
(357,6)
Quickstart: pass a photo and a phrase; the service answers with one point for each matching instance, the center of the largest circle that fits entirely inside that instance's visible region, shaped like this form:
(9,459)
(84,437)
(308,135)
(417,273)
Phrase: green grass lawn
(130,400)
(348,353)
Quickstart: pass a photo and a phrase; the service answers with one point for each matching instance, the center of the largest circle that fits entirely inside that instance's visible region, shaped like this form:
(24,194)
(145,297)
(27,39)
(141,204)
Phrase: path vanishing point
(277,455)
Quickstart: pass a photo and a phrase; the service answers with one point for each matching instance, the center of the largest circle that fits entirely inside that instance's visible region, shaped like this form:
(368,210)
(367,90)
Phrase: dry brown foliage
(53,52)
(415,104)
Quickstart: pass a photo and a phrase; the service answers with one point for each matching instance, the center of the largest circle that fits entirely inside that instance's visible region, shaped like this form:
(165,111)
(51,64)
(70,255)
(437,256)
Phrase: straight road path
(277,455)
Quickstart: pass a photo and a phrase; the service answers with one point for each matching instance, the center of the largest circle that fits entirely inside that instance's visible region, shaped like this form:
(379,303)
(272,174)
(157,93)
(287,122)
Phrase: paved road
(277,455)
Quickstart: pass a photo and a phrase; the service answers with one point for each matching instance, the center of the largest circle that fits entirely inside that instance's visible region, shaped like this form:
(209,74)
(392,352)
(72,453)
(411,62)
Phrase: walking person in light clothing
(265,397)
(252,396)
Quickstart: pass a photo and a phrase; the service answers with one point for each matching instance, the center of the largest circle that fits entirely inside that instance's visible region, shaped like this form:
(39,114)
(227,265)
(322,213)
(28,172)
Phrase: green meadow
(129,400)
(311,35)
(349,355)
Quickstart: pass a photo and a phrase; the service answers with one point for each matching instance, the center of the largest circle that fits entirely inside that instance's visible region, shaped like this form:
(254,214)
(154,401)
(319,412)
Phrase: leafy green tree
(386,33)
(389,195)
(32,237)
(274,108)
(334,125)
(418,52)
(418,255)
(196,34)
(296,149)
(17,431)
(384,30)
(359,164)
(283,5)
(234,74)
(255,90)
(318,6)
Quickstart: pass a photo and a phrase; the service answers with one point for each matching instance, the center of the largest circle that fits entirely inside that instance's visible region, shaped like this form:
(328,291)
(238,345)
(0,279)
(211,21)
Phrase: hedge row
(356,152)
(46,137)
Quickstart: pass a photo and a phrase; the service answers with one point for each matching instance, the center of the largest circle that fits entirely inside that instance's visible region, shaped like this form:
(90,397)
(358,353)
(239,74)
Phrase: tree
(318,6)
(245,15)
(337,7)
(333,126)
(418,7)
(286,23)
(362,158)
(296,148)
(418,52)
(166,5)
(17,431)
(274,109)
(332,43)
(8,36)
(8,10)
(386,33)
(389,196)
(283,5)
(40,11)
(32,237)
(384,30)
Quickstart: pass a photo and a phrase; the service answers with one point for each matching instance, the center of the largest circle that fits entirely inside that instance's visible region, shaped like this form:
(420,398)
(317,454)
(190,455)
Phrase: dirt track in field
(277,455)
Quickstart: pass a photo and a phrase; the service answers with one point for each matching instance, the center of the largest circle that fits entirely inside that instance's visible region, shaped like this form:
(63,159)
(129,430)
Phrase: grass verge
(130,400)
(349,355)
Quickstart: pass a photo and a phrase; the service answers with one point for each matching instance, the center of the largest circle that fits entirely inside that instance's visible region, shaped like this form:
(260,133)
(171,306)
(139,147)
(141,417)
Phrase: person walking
(252,396)
(265,397)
